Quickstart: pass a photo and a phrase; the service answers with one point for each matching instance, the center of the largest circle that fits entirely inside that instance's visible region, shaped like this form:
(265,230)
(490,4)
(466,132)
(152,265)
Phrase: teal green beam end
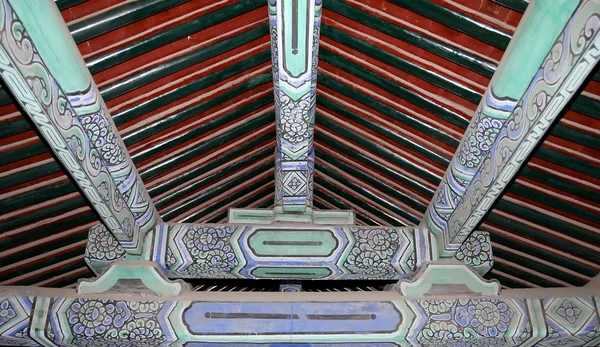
(44,70)
(553,50)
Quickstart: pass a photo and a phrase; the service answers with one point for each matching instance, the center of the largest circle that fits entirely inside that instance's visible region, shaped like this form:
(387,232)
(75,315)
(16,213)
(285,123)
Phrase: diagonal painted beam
(554,49)
(295,26)
(42,67)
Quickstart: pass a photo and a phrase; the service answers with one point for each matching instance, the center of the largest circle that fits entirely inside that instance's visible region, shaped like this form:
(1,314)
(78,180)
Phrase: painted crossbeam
(292,251)
(61,317)
(278,251)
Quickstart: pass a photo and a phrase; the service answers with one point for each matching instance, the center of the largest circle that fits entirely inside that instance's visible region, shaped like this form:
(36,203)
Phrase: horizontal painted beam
(120,16)
(288,251)
(458,21)
(49,317)
(276,251)
(516,5)
(162,38)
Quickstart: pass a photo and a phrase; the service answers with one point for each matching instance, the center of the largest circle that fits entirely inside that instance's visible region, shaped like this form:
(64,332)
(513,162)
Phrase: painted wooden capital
(294,47)
(133,277)
(42,67)
(554,49)
(447,278)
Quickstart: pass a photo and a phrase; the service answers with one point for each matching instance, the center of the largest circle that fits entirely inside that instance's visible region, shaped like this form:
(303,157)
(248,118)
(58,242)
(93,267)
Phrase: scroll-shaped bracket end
(447,278)
(134,277)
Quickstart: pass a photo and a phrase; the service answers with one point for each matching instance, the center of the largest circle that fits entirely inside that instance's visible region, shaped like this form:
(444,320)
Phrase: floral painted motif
(488,317)
(371,256)
(102,244)
(569,311)
(6,312)
(487,131)
(115,323)
(104,139)
(436,306)
(465,321)
(295,118)
(442,331)
(211,251)
(475,250)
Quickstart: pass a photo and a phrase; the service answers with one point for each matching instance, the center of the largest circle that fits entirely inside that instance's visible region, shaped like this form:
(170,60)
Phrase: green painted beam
(63,72)
(172,34)
(458,21)
(192,87)
(65,4)
(494,218)
(127,13)
(216,191)
(155,73)
(393,87)
(515,5)
(453,54)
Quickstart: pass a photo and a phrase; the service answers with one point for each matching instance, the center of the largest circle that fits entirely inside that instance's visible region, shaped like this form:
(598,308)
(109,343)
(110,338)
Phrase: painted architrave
(51,317)
(42,67)
(507,127)
(292,251)
(295,26)
(286,251)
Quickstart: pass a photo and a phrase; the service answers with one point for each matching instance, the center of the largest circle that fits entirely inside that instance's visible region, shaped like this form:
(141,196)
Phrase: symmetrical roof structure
(189,86)
(144,258)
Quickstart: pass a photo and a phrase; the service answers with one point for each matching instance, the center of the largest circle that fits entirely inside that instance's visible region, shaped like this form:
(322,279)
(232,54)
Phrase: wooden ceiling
(188,83)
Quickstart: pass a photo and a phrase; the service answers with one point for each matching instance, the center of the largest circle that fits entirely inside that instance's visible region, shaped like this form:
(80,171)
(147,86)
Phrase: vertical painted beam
(295,26)
(41,65)
(554,49)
